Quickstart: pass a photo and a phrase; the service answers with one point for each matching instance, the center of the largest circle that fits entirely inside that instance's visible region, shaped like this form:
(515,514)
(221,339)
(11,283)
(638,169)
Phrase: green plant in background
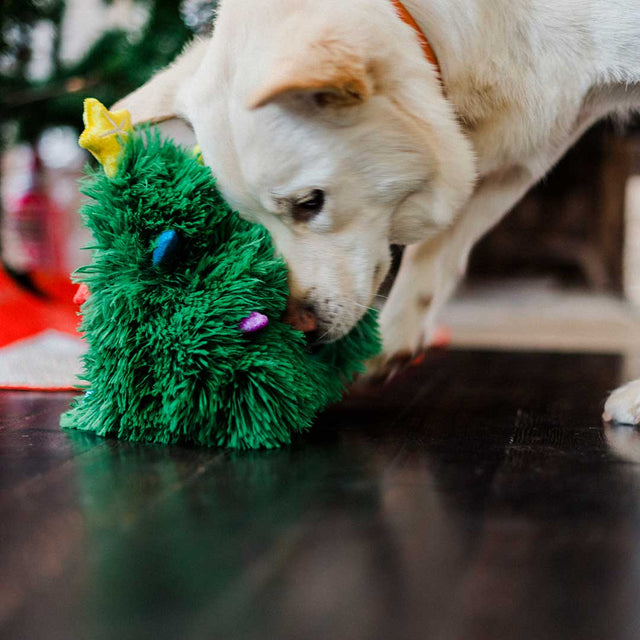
(116,64)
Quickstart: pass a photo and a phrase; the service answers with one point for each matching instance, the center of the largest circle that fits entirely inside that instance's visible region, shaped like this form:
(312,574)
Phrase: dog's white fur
(289,96)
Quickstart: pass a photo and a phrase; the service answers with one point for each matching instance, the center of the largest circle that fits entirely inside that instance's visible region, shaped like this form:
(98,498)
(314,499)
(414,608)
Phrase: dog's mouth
(316,340)
(324,336)
(307,323)
(314,346)
(320,324)
(301,317)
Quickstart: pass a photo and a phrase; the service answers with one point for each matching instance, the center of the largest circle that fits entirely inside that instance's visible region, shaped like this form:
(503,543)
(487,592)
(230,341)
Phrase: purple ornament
(256,321)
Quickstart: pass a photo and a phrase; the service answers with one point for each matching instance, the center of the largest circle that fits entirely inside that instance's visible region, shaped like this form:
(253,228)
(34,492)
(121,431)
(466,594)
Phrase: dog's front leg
(407,318)
(430,271)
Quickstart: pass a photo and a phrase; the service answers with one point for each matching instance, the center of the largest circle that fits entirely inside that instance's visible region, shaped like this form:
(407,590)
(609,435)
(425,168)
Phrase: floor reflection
(477,497)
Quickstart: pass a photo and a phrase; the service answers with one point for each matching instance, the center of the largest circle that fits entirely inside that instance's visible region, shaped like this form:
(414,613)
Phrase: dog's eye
(310,206)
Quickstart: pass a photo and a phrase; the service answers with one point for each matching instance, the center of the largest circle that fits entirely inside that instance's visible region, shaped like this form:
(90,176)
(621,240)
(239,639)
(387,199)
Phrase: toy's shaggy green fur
(167,361)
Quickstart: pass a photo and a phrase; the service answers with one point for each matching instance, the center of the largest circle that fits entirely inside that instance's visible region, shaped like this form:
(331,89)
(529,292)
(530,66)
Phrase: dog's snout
(301,316)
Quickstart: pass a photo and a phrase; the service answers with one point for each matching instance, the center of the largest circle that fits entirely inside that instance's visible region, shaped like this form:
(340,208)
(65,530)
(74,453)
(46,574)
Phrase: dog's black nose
(301,316)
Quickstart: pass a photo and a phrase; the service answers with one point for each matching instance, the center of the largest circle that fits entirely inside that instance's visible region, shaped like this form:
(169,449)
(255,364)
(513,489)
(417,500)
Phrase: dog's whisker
(362,306)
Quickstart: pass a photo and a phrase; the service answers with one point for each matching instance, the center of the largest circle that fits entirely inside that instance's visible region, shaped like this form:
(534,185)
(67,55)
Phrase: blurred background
(561,272)
(53,54)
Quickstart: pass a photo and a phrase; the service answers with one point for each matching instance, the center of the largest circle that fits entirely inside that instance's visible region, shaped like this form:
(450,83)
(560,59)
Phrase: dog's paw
(623,405)
(386,366)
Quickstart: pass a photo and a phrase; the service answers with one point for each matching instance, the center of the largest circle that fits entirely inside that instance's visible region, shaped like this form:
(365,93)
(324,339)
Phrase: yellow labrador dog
(329,123)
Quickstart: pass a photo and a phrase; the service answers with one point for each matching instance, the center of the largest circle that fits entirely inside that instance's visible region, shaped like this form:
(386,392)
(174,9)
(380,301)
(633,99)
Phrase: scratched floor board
(476,496)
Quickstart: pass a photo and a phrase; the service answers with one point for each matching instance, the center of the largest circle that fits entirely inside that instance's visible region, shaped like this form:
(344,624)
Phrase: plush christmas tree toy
(183,307)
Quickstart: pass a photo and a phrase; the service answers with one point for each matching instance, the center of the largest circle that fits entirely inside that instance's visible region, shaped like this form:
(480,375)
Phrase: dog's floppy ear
(156,101)
(327,70)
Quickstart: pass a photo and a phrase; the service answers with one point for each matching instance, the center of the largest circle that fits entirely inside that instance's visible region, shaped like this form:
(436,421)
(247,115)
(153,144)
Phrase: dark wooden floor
(477,497)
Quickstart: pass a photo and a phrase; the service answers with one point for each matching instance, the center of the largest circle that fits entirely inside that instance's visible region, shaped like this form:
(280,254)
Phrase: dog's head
(324,123)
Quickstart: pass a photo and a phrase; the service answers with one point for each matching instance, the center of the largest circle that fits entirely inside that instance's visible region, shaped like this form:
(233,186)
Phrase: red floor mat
(22,314)
(39,341)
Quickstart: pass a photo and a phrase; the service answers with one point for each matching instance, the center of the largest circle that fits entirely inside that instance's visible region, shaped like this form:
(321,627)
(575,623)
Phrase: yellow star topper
(104,133)
(197,154)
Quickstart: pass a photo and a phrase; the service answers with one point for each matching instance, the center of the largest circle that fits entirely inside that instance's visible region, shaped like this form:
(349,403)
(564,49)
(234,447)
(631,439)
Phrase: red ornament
(82,295)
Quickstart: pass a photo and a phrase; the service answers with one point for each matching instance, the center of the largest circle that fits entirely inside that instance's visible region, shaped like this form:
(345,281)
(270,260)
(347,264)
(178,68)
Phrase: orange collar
(406,17)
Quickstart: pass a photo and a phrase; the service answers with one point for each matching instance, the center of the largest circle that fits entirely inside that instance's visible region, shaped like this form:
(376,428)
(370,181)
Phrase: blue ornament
(165,245)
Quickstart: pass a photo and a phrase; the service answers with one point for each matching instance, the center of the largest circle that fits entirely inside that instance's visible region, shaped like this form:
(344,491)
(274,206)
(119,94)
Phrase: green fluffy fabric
(167,361)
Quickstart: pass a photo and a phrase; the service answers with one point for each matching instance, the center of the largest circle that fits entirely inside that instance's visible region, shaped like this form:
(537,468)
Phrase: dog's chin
(338,320)
(316,341)
(318,338)
(328,333)
(324,333)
